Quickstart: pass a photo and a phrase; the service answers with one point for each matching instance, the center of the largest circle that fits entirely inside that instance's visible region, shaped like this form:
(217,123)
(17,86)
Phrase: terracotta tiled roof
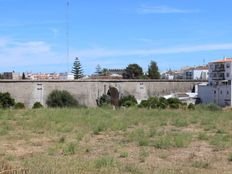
(223,60)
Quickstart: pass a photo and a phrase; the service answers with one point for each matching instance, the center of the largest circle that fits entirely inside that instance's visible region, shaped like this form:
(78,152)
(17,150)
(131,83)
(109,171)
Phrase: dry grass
(134,140)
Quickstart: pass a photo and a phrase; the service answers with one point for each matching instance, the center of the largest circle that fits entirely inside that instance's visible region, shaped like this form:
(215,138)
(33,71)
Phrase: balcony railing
(219,69)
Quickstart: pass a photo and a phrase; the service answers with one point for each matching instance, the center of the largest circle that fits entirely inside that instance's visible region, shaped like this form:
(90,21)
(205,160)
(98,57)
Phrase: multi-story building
(196,73)
(188,73)
(218,89)
(11,76)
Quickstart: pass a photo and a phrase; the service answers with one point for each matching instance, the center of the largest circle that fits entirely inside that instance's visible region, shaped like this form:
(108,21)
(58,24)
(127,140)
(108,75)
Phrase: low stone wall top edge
(109,81)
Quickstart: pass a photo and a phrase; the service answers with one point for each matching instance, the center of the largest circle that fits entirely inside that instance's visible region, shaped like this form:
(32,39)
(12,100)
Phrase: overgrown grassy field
(88,140)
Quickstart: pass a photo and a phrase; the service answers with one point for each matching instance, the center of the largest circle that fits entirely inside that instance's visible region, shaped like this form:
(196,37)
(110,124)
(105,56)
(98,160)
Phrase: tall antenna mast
(67,34)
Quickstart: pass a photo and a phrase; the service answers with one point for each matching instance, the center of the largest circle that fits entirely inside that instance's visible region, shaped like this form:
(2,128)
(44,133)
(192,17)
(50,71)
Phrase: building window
(227,65)
(215,92)
(221,92)
(227,74)
(228,92)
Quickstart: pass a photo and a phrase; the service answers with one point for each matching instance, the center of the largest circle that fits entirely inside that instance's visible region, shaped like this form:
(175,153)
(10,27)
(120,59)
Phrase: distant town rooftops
(197,68)
(223,60)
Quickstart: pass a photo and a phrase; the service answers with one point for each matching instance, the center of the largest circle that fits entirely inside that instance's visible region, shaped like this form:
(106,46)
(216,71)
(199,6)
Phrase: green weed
(105,161)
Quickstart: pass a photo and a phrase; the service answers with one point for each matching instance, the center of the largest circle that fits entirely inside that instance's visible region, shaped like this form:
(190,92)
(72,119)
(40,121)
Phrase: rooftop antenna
(67,34)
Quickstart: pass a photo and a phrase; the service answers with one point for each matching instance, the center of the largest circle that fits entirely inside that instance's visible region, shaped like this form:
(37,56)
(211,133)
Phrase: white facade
(220,70)
(219,94)
(196,74)
(218,90)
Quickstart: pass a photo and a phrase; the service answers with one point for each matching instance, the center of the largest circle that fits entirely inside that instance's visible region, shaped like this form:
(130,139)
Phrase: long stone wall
(86,91)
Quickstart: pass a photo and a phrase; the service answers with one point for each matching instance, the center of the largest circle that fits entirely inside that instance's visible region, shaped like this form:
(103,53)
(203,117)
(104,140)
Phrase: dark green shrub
(103,100)
(19,105)
(174,103)
(191,106)
(173,100)
(163,103)
(153,102)
(174,106)
(128,101)
(37,105)
(143,104)
(6,101)
(61,99)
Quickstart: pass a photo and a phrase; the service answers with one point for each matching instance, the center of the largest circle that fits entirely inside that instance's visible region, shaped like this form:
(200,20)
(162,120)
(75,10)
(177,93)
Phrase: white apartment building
(199,73)
(218,89)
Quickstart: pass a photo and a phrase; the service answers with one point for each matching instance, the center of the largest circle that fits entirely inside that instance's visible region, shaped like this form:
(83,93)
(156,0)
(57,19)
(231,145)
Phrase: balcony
(220,76)
(222,69)
(218,68)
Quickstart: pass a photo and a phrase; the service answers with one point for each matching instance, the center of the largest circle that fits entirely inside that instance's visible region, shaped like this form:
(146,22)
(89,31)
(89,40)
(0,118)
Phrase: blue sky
(113,33)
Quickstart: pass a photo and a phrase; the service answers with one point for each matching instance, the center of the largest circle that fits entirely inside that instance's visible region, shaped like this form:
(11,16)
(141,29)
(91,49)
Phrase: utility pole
(67,35)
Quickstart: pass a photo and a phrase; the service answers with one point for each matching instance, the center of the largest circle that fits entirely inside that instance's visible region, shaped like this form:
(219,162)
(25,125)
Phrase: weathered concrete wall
(86,92)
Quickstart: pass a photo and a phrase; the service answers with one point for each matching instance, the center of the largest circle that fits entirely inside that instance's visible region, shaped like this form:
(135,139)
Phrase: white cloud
(39,53)
(3,42)
(162,10)
(13,54)
(101,52)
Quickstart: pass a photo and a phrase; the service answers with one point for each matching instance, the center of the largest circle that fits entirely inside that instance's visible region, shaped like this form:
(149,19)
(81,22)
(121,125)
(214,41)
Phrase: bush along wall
(37,105)
(60,99)
(104,100)
(19,105)
(128,101)
(6,101)
(160,103)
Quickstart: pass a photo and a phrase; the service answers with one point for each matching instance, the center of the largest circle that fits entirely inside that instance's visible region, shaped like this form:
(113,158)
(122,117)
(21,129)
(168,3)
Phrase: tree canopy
(153,70)
(133,71)
(98,70)
(77,69)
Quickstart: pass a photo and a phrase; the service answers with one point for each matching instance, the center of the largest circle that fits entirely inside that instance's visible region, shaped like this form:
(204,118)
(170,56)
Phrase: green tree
(153,71)
(133,71)
(23,76)
(77,69)
(98,70)
(105,72)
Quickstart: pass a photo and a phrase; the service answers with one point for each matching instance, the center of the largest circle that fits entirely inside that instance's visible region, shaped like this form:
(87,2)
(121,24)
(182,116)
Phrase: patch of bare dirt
(21,148)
